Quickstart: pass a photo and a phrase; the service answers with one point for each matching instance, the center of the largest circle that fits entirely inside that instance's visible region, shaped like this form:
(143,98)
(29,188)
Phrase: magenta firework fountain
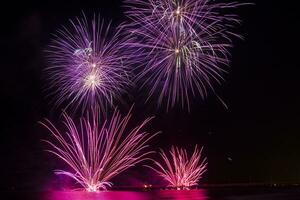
(98,152)
(87,64)
(184,46)
(180,170)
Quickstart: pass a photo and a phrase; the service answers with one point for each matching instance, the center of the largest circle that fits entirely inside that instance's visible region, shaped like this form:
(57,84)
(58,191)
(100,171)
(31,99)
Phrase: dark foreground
(244,193)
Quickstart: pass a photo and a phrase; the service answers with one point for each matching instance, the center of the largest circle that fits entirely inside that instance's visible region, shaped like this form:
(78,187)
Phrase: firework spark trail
(184,44)
(180,170)
(97,153)
(192,15)
(87,64)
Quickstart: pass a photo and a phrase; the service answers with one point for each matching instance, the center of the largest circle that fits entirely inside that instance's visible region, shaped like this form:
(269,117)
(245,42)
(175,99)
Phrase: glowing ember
(178,11)
(97,153)
(92,81)
(180,170)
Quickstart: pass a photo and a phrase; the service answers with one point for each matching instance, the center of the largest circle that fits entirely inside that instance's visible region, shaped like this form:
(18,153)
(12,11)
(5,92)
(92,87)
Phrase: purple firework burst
(88,65)
(183,46)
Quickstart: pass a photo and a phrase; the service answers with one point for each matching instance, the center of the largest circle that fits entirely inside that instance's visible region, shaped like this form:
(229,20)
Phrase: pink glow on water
(128,195)
(183,194)
(82,195)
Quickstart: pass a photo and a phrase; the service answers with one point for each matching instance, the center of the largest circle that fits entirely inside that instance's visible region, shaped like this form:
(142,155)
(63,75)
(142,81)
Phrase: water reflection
(182,194)
(97,196)
(128,195)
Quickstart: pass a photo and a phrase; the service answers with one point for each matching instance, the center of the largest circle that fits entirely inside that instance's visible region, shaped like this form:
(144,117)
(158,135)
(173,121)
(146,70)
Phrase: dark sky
(259,132)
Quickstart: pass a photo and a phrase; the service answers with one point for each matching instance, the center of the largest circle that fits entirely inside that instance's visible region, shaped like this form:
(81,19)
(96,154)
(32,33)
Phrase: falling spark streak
(180,170)
(97,153)
(87,64)
(184,45)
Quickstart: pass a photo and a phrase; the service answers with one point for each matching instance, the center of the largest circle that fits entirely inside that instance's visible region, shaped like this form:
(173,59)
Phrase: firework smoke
(96,153)
(87,64)
(180,170)
(183,46)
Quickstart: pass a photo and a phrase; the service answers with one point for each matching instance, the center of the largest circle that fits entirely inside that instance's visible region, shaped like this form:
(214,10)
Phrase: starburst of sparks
(96,153)
(180,170)
(88,64)
(184,46)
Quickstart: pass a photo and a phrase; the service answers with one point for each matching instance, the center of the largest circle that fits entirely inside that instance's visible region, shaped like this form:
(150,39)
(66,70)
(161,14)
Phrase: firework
(87,64)
(180,170)
(184,44)
(96,153)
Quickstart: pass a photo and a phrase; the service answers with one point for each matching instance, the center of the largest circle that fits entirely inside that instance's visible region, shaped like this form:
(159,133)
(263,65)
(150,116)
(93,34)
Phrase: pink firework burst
(96,153)
(87,64)
(184,46)
(180,170)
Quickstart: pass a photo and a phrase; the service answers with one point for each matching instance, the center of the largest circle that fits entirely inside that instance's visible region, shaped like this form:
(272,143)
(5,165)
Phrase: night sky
(257,139)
